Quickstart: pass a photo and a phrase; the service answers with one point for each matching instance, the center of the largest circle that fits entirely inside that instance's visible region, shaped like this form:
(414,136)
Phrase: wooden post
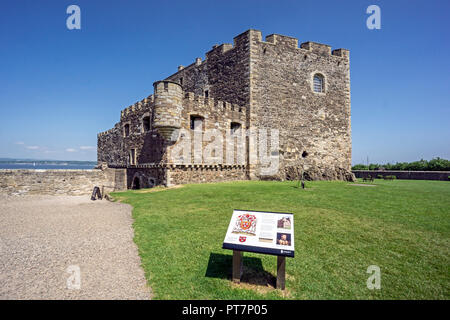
(237,266)
(281,272)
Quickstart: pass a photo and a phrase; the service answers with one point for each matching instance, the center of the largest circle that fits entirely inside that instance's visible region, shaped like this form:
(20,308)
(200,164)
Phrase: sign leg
(237,266)
(281,272)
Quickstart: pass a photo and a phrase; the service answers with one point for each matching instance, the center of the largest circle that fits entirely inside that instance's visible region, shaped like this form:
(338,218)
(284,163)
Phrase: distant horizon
(35,159)
(2,159)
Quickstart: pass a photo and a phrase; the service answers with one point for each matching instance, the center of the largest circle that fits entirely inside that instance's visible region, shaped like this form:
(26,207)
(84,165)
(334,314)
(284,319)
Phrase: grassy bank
(340,229)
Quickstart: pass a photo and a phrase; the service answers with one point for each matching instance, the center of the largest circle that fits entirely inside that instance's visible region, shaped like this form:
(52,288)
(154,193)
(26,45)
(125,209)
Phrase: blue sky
(60,87)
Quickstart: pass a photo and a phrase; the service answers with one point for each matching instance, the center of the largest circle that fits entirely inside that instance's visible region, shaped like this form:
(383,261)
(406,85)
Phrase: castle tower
(297,94)
(168,97)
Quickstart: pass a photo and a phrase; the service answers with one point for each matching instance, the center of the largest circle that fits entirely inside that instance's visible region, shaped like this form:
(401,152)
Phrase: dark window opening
(136,183)
(146,123)
(196,123)
(206,93)
(126,130)
(235,127)
(181,80)
(304,154)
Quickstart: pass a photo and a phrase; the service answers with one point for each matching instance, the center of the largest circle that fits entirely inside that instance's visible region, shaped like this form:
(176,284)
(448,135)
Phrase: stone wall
(113,146)
(224,73)
(273,80)
(61,182)
(217,115)
(139,138)
(110,147)
(413,175)
(146,177)
(258,84)
(314,128)
(205,173)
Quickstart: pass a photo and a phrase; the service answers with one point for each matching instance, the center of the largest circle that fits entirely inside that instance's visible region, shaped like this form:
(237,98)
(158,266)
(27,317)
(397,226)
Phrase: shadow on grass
(219,266)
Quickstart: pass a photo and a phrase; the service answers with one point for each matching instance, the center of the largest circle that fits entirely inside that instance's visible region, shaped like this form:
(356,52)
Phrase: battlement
(251,82)
(107,132)
(291,42)
(213,103)
(189,96)
(144,103)
(198,61)
(341,53)
(252,36)
(283,40)
(166,85)
(317,48)
(242,42)
(220,49)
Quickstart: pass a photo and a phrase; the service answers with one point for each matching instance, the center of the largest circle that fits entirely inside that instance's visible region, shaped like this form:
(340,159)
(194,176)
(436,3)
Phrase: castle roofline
(247,31)
(165,81)
(314,42)
(282,35)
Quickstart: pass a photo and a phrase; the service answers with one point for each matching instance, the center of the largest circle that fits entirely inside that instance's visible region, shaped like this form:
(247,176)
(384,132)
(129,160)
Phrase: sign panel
(262,232)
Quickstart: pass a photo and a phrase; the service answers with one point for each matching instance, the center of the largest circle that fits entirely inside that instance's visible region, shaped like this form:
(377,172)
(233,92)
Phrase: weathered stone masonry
(256,84)
(61,182)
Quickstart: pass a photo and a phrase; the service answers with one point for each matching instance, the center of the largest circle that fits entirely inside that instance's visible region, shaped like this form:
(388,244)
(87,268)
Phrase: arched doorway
(136,183)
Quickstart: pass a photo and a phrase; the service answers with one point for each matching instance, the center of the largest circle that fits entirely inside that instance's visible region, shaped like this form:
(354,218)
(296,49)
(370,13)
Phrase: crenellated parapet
(164,108)
(138,106)
(317,48)
(107,132)
(301,89)
(341,53)
(223,109)
(220,49)
(280,41)
(312,47)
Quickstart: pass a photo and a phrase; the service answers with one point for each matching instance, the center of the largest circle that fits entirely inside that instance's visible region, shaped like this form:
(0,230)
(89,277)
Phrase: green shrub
(359,167)
(436,164)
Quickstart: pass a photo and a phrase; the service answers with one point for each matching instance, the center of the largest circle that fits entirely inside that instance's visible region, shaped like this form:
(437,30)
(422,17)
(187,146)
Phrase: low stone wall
(202,174)
(145,177)
(61,182)
(413,175)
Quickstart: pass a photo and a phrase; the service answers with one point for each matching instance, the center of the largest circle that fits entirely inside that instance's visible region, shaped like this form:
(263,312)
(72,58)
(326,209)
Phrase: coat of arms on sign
(245,224)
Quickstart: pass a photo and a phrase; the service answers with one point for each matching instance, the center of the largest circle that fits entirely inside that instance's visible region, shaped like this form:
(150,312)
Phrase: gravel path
(45,239)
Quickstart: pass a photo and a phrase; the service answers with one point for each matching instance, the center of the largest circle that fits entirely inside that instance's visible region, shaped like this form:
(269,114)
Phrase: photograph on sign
(262,232)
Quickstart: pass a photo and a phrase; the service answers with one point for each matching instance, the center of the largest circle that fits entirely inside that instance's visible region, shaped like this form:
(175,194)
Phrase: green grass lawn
(401,226)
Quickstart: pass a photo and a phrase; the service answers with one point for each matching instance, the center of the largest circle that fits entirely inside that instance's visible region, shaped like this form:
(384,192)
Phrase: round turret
(168,97)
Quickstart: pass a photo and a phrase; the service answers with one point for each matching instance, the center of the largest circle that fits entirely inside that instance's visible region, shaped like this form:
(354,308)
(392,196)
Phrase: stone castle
(301,95)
